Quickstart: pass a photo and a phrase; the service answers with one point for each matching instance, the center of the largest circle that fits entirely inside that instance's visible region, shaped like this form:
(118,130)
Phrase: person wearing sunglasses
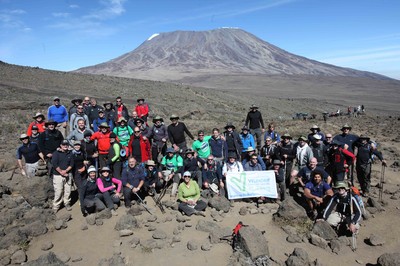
(189,197)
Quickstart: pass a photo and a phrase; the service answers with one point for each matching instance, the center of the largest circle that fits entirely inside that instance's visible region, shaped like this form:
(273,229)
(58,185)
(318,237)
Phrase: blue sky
(69,34)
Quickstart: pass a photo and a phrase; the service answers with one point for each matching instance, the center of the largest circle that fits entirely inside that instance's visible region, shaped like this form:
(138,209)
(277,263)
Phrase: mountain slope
(179,54)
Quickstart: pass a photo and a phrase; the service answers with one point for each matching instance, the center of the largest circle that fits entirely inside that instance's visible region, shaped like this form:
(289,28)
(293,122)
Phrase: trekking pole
(158,204)
(13,172)
(162,193)
(143,203)
(382,180)
(354,235)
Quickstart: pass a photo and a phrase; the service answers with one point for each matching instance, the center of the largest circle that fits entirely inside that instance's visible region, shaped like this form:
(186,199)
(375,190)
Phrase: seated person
(212,174)
(252,164)
(343,211)
(191,163)
(89,194)
(171,167)
(250,151)
(304,175)
(132,180)
(280,182)
(110,187)
(189,197)
(317,193)
(152,183)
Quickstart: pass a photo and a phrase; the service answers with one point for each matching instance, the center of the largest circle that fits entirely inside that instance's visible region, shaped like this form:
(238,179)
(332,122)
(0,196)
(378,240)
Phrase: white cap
(317,137)
(187,173)
(91,169)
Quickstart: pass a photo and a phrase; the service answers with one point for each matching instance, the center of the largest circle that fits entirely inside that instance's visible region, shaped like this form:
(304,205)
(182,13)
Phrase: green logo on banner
(240,182)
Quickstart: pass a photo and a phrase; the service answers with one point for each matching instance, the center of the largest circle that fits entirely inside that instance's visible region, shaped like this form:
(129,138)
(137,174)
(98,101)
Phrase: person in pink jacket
(110,188)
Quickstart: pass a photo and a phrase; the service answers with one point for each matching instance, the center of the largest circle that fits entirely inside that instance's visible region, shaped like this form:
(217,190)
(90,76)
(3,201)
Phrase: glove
(23,172)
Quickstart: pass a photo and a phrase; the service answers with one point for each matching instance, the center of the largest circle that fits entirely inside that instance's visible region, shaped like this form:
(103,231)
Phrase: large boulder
(299,257)
(290,210)
(207,226)
(35,228)
(126,222)
(324,230)
(253,242)
(36,191)
(220,203)
(46,259)
(389,259)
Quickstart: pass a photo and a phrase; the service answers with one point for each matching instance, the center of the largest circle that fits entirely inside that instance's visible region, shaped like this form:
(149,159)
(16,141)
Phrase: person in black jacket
(89,194)
(79,171)
(176,134)
(191,164)
(287,154)
(255,122)
(233,140)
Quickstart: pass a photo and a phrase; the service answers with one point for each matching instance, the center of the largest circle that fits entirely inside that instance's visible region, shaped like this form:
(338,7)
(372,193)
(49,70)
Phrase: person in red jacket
(142,109)
(103,143)
(139,148)
(39,122)
(338,161)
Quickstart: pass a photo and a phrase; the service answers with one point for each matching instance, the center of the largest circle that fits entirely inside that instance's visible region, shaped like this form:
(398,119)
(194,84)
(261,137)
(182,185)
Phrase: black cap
(87,133)
(113,135)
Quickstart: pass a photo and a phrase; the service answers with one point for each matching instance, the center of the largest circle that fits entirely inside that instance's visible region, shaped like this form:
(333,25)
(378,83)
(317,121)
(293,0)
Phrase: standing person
(120,110)
(34,137)
(142,109)
(287,154)
(102,118)
(110,114)
(176,134)
(159,135)
(189,197)
(80,114)
(202,146)
(59,114)
(279,179)
(272,134)
(247,141)
(269,152)
(139,146)
(303,153)
(132,180)
(110,189)
(49,141)
(350,140)
(123,131)
(114,158)
(232,165)
(219,148)
(78,133)
(89,194)
(255,122)
(233,140)
(75,103)
(363,152)
(80,162)
(90,148)
(338,161)
(86,103)
(103,143)
(192,163)
(31,153)
(142,125)
(132,119)
(63,163)
(93,111)
(320,151)
(343,211)
(39,122)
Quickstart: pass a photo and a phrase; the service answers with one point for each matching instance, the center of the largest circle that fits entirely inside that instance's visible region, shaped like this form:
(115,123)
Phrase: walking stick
(354,235)
(382,180)
(13,172)
(158,204)
(143,203)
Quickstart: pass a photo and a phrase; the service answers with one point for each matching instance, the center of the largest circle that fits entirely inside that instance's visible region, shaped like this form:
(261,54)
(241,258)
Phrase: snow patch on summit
(153,36)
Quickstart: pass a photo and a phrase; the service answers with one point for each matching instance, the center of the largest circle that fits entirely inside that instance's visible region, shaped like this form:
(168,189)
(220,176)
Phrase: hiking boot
(199,213)
(68,207)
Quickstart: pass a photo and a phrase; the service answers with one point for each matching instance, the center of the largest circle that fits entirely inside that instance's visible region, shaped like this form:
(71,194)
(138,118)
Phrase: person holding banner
(231,166)
(279,178)
(189,197)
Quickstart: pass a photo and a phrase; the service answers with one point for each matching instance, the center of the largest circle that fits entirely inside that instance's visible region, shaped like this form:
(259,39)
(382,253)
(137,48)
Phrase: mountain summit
(226,51)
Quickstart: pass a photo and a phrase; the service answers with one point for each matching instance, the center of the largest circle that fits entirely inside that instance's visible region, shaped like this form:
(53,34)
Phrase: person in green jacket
(189,197)
(202,146)
(114,160)
(123,131)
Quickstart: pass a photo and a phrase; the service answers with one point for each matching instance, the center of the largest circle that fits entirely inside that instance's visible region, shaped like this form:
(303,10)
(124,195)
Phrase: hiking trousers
(109,198)
(62,190)
(364,176)
(188,210)
(31,168)
(257,136)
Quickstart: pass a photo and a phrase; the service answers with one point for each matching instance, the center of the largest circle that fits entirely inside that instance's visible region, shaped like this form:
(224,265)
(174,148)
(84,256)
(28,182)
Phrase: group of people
(135,159)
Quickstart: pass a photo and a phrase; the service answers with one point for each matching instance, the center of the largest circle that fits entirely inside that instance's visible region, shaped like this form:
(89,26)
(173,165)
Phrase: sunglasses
(119,101)
(328,137)
(201,135)
(186,176)
(137,131)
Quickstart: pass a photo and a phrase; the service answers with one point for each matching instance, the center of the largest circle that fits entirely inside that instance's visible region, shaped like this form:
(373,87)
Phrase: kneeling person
(89,194)
(317,193)
(110,187)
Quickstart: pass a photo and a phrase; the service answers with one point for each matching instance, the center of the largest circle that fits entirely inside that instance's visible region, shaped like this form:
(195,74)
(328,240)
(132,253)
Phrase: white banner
(251,184)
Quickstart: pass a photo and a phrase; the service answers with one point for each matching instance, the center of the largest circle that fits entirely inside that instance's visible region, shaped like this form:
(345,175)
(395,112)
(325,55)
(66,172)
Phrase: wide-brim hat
(253,106)
(91,169)
(274,162)
(150,163)
(122,119)
(76,100)
(23,136)
(341,184)
(302,138)
(173,116)
(245,128)
(104,125)
(317,137)
(286,136)
(314,127)
(157,118)
(138,120)
(229,124)
(214,188)
(77,142)
(50,122)
(250,149)
(37,115)
(170,150)
(107,103)
(105,169)
(362,136)
(345,126)
(140,99)
(189,151)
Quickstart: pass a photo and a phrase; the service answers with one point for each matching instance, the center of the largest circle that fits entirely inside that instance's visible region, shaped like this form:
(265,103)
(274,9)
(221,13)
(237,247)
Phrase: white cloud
(11,19)
(18,11)
(111,8)
(73,6)
(60,15)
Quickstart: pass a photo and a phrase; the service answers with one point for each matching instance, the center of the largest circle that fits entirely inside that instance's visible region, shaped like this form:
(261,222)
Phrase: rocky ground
(30,233)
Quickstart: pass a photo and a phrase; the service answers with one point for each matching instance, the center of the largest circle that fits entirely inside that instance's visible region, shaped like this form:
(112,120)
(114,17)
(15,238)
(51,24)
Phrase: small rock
(243,211)
(151,228)
(318,241)
(253,211)
(104,214)
(18,257)
(125,232)
(359,261)
(134,211)
(294,239)
(47,245)
(389,259)
(336,246)
(376,240)
(91,219)
(159,234)
(180,218)
(134,241)
(188,225)
(192,245)
(117,243)
(76,259)
(176,231)
(176,239)
(84,226)
(66,217)
(168,219)
(152,218)
(206,246)
(99,222)
(63,257)
(60,224)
